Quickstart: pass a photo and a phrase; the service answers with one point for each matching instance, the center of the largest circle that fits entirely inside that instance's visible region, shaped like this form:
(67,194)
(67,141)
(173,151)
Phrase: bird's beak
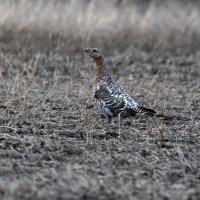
(86,50)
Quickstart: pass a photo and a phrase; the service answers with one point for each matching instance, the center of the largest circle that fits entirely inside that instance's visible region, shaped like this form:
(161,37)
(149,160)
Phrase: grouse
(110,97)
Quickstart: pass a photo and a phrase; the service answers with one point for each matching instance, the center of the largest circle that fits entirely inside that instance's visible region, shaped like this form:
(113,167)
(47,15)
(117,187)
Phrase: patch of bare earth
(54,143)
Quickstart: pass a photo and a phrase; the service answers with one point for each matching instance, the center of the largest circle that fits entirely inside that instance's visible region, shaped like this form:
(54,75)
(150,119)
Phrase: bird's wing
(131,106)
(115,102)
(121,91)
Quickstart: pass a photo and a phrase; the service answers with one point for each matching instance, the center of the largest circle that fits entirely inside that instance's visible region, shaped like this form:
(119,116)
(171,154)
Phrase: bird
(110,97)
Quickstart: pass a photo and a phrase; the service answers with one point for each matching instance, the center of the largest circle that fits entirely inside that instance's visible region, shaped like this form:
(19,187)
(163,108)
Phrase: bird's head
(94,53)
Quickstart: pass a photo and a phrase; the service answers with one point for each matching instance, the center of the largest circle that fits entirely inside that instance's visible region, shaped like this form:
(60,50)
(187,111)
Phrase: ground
(54,143)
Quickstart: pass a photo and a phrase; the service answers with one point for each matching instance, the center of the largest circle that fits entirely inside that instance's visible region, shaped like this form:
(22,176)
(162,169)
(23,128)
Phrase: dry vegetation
(53,142)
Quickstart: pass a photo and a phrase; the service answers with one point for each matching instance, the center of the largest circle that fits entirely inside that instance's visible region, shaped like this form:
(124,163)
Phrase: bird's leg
(109,119)
(119,122)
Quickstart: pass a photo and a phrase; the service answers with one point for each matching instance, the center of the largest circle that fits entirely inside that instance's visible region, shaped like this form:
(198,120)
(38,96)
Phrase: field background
(54,144)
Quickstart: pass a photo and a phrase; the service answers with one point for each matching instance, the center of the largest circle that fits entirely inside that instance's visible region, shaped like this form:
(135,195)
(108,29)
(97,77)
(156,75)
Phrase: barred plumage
(111,98)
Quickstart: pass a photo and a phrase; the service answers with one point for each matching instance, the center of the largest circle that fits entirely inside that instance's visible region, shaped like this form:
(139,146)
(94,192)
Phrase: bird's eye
(94,51)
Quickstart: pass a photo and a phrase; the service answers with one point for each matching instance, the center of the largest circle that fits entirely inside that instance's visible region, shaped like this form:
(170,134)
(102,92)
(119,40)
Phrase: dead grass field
(54,144)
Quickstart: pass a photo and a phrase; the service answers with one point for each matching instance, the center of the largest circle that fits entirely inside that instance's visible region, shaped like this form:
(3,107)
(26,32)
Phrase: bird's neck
(101,70)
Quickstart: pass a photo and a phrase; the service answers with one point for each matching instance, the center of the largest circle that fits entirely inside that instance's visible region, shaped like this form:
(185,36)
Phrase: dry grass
(154,24)
(53,142)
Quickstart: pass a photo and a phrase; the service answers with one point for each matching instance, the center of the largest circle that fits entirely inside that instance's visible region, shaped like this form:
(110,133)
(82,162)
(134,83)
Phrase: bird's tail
(147,111)
(151,112)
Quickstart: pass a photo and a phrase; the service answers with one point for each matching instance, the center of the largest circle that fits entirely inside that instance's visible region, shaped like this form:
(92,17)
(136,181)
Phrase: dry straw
(82,19)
